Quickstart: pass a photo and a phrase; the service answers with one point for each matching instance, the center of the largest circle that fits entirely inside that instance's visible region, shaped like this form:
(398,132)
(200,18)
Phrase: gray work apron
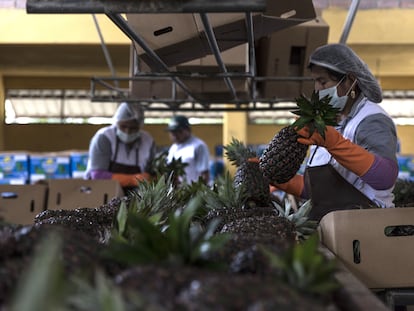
(329,191)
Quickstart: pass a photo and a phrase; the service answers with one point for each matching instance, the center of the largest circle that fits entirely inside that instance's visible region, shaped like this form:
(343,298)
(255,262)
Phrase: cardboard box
(179,38)
(19,204)
(150,88)
(235,60)
(383,261)
(406,167)
(285,54)
(14,168)
(49,166)
(78,163)
(78,193)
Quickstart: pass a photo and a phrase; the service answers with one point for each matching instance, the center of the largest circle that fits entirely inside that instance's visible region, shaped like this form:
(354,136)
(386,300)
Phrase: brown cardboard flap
(79,193)
(383,261)
(204,88)
(179,38)
(19,204)
(286,54)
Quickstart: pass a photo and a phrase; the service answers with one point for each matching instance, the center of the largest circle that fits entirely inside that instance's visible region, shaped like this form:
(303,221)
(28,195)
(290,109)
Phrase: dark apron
(329,191)
(115,167)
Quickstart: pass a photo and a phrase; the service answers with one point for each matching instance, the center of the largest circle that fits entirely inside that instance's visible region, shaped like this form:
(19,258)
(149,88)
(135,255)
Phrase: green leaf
(102,295)
(315,112)
(42,287)
(305,268)
(148,234)
(122,217)
(131,254)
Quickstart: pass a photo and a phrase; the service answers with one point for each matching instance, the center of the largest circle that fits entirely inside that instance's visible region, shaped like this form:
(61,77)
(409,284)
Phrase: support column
(234,125)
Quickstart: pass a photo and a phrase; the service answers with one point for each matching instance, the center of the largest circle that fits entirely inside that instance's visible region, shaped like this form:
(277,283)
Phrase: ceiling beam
(144,6)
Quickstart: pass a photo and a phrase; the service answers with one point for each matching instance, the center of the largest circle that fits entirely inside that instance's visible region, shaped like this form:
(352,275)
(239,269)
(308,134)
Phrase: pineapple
(283,156)
(248,173)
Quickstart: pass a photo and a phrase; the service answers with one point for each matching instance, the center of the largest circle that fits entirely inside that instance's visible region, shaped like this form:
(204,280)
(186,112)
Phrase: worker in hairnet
(122,151)
(355,165)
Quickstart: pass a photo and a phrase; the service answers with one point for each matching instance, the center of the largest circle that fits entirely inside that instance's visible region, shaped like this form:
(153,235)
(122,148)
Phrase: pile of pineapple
(189,248)
(172,247)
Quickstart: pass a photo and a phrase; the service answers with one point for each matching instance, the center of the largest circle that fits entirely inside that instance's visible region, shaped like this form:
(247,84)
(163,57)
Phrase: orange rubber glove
(294,186)
(349,155)
(253,160)
(130,180)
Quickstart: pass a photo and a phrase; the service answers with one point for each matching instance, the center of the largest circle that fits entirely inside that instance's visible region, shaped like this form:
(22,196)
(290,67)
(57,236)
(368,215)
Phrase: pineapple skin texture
(249,174)
(283,156)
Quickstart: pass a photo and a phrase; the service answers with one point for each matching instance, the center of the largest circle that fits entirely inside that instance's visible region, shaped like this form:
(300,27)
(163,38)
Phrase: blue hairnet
(129,111)
(340,58)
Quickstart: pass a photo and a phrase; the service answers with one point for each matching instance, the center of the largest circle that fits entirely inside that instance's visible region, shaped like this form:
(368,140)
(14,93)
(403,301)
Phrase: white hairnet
(129,111)
(340,58)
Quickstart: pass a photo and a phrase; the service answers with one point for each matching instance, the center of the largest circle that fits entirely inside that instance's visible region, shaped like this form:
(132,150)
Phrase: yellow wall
(59,137)
(405,134)
(23,28)
(383,38)
(50,137)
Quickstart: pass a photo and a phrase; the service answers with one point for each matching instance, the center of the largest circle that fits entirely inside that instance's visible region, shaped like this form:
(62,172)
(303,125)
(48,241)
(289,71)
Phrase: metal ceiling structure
(249,20)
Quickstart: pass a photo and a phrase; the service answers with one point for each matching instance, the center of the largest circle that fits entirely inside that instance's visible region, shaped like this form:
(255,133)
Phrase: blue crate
(14,168)
(406,166)
(78,163)
(49,166)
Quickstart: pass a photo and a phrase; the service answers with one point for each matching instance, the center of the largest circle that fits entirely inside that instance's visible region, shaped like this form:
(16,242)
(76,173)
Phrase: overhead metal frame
(144,6)
(113,10)
(237,104)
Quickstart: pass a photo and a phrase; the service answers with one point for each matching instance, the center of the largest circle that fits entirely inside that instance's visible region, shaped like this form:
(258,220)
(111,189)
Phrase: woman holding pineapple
(351,164)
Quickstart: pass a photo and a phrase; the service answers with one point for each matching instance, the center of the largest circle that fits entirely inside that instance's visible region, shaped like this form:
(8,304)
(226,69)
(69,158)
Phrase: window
(55,106)
(75,106)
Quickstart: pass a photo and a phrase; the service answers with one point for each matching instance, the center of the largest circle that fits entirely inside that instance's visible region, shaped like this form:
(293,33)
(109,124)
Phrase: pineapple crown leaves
(176,167)
(185,191)
(225,195)
(303,225)
(179,241)
(154,198)
(42,287)
(304,267)
(102,294)
(150,200)
(191,239)
(237,153)
(160,166)
(46,286)
(315,113)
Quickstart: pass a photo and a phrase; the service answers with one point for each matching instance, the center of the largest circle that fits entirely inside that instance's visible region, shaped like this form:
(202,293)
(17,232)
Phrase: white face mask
(336,101)
(127,138)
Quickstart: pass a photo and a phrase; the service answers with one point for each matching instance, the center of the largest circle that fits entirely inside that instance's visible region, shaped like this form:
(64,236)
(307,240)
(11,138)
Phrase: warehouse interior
(230,66)
(38,56)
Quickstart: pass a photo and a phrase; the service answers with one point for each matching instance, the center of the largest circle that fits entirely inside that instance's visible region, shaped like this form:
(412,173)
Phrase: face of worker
(128,131)
(324,80)
(180,135)
(128,126)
